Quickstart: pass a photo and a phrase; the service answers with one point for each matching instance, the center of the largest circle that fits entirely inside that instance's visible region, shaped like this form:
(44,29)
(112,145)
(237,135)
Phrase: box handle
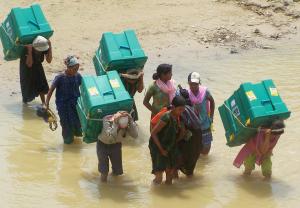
(34,23)
(264,102)
(107,92)
(125,47)
(110,92)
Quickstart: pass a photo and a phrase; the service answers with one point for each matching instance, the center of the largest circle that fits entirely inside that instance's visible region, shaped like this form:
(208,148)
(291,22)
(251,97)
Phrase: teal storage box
(20,27)
(100,96)
(97,64)
(120,52)
(251,106)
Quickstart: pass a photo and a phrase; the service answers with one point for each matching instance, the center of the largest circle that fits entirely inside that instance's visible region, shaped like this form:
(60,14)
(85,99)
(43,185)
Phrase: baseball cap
(194,77)
(40,44)
(71,61)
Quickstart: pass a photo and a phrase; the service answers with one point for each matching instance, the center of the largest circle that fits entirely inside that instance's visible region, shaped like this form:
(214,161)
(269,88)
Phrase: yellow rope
(52,120)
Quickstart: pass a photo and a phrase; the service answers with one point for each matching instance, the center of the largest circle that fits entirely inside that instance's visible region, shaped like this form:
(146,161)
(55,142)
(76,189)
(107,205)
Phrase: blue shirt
(67,88)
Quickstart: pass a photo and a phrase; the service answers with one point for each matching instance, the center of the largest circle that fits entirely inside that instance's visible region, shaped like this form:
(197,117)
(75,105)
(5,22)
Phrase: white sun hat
(40,44)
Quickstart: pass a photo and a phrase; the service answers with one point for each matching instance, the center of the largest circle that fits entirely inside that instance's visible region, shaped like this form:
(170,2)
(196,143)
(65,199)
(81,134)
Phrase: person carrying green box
(259,149)
(32,75)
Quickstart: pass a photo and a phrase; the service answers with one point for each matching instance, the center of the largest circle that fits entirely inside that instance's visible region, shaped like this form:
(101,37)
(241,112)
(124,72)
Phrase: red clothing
(157,117)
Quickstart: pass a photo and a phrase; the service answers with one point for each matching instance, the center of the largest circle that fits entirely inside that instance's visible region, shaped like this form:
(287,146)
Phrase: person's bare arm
(212,106)
(146,101)
(49,53)
(154,136)
(50,92)
(140,84)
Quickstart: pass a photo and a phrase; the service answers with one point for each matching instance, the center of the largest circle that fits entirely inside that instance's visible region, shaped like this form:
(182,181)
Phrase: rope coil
(52,120)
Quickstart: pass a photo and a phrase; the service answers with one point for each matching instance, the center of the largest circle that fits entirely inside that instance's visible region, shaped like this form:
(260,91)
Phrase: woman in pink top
(259,149)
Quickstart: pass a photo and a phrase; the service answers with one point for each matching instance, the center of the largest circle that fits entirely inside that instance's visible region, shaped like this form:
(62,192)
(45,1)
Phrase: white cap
(194,77)
(123,122)
(40,44)
(71,61)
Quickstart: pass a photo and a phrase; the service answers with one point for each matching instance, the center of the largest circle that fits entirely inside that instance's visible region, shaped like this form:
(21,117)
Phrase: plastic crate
(100,96)
(21,27)
(251,106)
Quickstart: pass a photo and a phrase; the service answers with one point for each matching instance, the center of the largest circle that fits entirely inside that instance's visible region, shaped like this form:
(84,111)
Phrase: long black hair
(160,70)
(178,101)
(185,94)
(277,127)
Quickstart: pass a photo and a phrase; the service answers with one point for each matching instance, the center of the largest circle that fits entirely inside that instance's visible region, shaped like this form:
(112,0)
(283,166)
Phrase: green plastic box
(120,52)
(97,64)
(20,27)
(251,106)
(100,96)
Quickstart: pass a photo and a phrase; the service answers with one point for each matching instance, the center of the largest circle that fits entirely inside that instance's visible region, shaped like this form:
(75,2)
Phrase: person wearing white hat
(40,44)
(109,144)
(32,76)
(67,92)
(204,107)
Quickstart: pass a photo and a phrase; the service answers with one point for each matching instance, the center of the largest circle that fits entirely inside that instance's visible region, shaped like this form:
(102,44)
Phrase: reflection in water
(38,170)
(257,189)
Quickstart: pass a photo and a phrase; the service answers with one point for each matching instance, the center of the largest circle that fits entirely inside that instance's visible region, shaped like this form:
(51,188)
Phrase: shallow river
(37,170)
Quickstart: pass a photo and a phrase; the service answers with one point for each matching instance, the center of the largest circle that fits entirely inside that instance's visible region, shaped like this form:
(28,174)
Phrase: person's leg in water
(266,167)
(169,176)
(77,131)
(249,164)
(206,141)
(176,174)
(205,149)
(115,156)
(158,177)
(103,161)
(67,131)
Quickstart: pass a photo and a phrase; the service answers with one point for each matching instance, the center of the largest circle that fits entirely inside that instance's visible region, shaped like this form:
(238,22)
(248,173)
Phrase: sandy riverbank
(199,25)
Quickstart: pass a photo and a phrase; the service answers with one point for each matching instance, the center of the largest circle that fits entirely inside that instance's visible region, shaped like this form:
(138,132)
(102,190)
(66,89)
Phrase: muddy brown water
(37,170)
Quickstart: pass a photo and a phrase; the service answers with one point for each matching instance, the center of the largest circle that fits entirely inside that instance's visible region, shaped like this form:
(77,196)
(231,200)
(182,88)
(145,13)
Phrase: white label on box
(274,91)
(114,83)
(251,96)
(232,103)
(93,91)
